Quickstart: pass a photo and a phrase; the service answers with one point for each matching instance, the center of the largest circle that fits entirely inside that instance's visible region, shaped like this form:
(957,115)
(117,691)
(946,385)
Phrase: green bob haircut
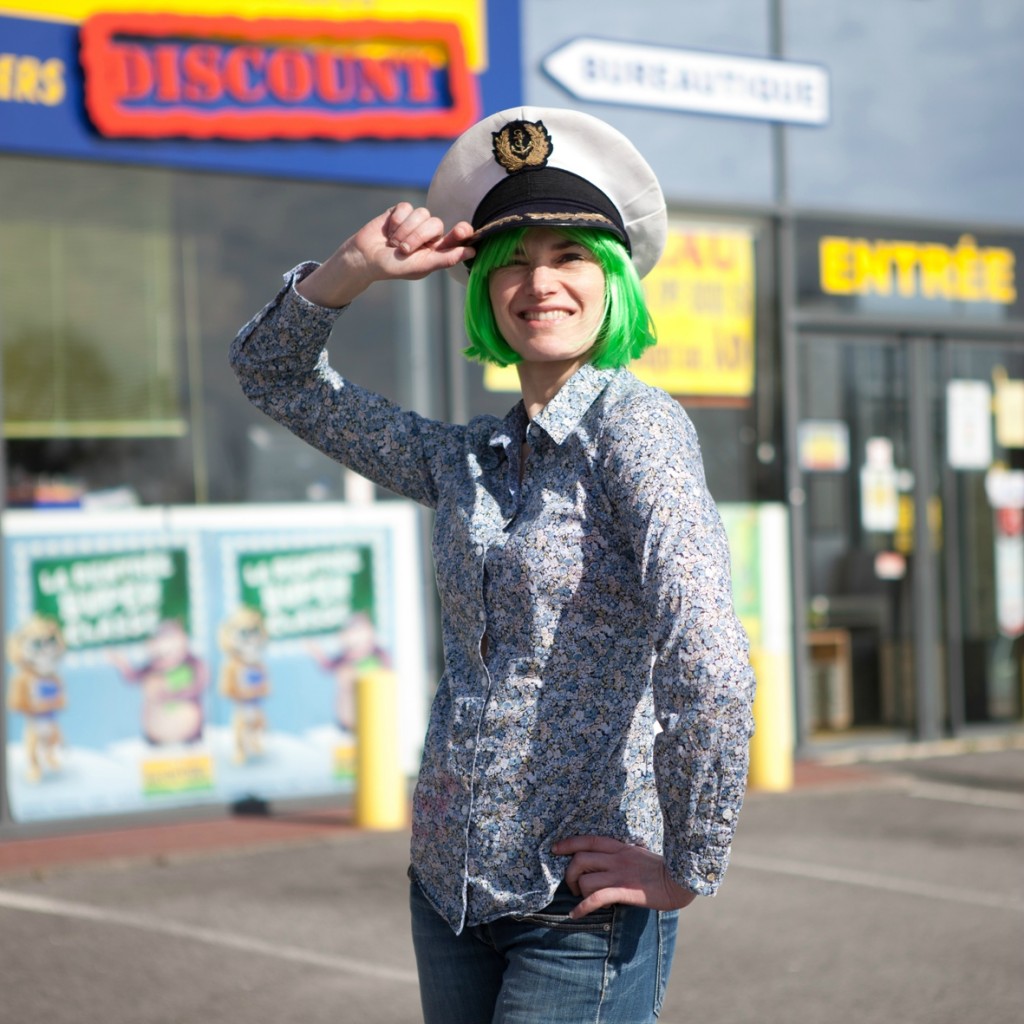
(626,329)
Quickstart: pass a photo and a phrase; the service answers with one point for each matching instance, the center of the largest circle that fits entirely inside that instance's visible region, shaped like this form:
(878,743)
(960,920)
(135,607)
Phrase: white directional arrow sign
(635,74)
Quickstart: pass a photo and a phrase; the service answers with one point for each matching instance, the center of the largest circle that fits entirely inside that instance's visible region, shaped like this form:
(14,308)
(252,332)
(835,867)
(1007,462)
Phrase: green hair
(626,329)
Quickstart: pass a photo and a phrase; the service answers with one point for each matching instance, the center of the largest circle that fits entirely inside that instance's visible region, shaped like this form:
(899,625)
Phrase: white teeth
(546,314)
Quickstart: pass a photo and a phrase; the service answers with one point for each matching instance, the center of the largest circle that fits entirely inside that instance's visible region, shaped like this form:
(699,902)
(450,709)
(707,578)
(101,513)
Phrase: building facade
(840,310)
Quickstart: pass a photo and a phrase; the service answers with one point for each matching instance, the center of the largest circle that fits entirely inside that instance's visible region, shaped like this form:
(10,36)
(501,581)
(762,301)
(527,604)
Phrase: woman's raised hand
(405,242)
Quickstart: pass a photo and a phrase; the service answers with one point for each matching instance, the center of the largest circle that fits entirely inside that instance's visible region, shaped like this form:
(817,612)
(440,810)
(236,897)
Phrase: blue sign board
(54,97)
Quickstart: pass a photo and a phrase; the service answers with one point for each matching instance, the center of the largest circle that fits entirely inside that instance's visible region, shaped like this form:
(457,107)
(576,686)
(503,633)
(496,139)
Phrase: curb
(165,841)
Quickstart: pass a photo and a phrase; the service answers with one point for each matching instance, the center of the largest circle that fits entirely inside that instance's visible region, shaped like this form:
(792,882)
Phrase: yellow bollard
(380,783)
(771,747)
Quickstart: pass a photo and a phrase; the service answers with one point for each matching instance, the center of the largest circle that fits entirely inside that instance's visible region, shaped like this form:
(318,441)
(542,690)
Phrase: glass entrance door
(983,557)
(854,449)
(912,466)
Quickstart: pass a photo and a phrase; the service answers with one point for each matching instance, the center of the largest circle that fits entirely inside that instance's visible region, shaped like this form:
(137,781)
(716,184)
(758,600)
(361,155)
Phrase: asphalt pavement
(889,891)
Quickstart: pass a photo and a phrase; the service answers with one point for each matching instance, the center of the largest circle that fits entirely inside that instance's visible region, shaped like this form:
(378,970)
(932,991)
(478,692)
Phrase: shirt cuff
(700,874)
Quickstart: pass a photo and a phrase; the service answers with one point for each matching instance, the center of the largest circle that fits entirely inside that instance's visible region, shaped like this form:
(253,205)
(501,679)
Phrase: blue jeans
(610,967)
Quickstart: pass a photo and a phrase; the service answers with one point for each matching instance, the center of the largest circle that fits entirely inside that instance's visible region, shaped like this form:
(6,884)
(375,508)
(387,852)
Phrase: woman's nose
(542,279)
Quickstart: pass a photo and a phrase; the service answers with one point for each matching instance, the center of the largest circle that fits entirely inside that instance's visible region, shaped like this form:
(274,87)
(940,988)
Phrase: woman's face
(549,301)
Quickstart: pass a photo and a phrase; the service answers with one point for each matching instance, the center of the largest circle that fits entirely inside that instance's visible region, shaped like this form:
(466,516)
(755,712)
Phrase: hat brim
(542,219)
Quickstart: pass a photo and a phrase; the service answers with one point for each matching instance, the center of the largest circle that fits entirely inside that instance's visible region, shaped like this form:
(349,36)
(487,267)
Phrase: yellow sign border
(469,15)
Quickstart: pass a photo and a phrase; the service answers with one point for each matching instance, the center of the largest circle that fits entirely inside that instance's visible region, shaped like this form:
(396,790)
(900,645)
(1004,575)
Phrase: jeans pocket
(556,915)
(597,921)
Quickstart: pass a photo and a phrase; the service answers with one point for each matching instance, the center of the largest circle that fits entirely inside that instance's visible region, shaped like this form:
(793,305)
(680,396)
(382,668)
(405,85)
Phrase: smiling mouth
(545,314)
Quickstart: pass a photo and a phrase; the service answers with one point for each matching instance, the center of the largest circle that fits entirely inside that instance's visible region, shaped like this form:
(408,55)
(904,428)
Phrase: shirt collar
(562,415)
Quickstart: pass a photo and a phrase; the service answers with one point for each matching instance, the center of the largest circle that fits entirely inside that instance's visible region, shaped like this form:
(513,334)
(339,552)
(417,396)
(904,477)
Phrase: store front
(909,448)
(160,539)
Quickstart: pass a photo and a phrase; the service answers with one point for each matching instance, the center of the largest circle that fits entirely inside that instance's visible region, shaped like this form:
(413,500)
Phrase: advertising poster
(168,658)
(823,446)
(879,493)
(743,528)
(969,415)
(702,298)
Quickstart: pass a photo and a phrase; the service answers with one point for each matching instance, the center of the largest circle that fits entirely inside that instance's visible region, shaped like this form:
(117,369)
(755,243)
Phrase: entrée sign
(161,76)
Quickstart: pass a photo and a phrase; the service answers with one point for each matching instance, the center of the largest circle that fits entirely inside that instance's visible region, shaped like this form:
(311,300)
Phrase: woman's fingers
(458,236)
(589,854)
(586,864)
(604,871)
(412,228)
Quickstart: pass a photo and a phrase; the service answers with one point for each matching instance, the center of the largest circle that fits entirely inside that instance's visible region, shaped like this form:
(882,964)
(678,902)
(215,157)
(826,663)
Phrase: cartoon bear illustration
(244,679)
(36,649)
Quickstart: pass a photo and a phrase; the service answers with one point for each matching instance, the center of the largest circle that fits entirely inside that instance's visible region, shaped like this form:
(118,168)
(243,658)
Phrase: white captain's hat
(550,167)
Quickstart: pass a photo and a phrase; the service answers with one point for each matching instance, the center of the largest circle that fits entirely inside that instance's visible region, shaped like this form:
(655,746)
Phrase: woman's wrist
(337,281)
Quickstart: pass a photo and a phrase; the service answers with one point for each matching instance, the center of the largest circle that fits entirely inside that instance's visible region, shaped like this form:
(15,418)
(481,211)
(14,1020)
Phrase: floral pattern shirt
(596,678)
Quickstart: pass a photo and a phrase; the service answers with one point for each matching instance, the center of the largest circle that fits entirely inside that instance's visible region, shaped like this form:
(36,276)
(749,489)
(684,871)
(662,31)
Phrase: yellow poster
(1009,409)
(701,297)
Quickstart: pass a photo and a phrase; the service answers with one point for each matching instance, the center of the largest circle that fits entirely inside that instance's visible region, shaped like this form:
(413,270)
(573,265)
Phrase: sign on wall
(161,658)
(882,270)
(668,78)
(351,91)
(969,419)
(701,296)
(163,75)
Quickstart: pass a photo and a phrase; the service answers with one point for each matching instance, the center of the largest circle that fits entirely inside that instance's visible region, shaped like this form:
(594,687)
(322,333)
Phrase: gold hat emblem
(522,144)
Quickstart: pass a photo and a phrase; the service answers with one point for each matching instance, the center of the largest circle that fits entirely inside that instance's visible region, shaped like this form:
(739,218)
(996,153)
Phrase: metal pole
(785,269)
(194,357)
(924,582)
(951,554)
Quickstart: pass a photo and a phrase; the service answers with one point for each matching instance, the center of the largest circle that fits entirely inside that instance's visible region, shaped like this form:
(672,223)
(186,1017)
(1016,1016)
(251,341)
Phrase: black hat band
(546,197)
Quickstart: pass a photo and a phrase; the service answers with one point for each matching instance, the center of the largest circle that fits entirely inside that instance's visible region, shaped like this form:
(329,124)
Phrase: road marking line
(966,795)
(12,900)
(868,880)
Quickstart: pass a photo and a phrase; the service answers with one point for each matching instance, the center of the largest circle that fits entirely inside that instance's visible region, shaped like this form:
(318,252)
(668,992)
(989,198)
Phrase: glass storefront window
(121,289)
(90,312)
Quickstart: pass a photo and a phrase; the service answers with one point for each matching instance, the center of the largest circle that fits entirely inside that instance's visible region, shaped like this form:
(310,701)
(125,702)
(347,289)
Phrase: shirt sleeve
(280,360)
(702,680)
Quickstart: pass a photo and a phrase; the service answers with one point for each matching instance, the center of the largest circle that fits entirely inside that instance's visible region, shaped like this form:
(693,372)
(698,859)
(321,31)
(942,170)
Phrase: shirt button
(479,549)
(482,616)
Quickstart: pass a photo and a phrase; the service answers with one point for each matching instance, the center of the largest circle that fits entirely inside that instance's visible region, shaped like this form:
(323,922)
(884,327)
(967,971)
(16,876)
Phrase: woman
(586,754)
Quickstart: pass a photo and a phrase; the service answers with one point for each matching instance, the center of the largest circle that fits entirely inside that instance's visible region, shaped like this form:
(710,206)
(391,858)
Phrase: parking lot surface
(884,892)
